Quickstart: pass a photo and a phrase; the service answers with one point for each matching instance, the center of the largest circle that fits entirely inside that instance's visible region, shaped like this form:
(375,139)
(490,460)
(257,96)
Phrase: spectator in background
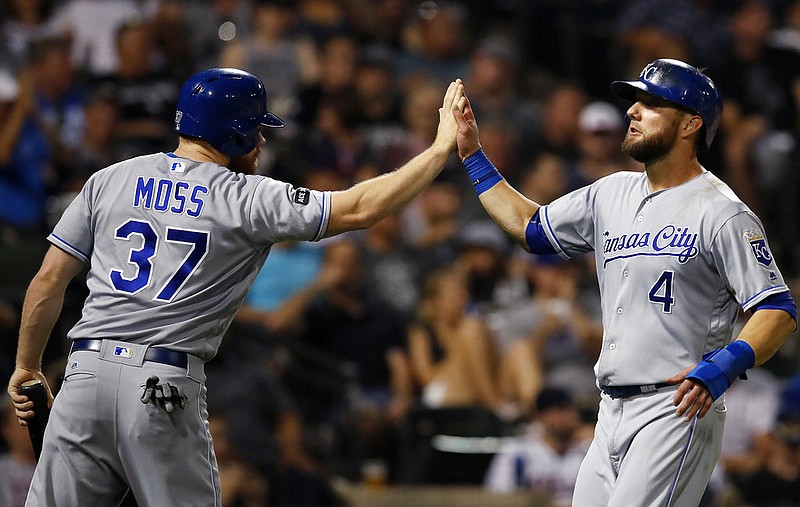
(777,484)
(212,25)
(549,339)
(753,409)
(27,22)
(558,128)
(494,83)
(98,148)
(483,256)
(60,101)
(392,265)
(271,52)
(17,462)
(378,98)
(144,93)
(547,456)
(546,179)
(321,20)
(689,30)
(452,354)
(92,26)
(349,323)
(434,46)
(265,428)
(761,117)
(240,482)
(338,57)
(600,133)
(26,168)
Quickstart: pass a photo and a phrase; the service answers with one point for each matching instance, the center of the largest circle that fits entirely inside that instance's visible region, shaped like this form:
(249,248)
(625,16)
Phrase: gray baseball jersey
(174,246)
(674,266)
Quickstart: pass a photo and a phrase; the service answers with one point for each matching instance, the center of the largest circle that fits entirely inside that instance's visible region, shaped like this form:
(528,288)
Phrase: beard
(246,164)
(651,148)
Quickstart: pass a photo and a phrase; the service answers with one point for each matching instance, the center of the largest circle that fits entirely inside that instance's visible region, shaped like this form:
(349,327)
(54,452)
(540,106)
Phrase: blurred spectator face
(499,144)
(600,131)
(442,30)
(447,294)
(562,422)
(135,49)
(546,179)
(54,67)
(101,117)
(562,110)
(421,111)
(493,66)
(344,254)
(752,22)
(551,279)
(440,201)
(272,18)
(339,62)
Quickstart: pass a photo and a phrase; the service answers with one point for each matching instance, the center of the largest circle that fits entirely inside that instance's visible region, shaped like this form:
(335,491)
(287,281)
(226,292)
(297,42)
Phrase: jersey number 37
(143,257)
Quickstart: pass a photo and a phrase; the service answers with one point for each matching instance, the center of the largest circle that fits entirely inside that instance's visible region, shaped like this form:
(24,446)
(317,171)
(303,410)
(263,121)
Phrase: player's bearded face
(647,147)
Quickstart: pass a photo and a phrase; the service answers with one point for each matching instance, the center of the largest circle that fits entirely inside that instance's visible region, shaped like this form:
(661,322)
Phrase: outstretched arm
(510,209)
(43,302)
(368,202)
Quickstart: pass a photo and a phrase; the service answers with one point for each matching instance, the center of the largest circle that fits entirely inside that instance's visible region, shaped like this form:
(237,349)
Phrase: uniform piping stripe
(646,254)
(323,220)
(766,292)
(82,255)
(561,250)
(683,460)
(210,448)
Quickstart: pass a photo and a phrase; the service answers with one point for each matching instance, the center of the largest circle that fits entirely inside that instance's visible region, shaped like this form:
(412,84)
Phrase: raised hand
(448,126)
(467,137)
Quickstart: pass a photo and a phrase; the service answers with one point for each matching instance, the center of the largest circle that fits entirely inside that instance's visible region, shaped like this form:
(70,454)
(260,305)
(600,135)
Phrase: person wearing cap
(678,256)
(600,131)
(547,455)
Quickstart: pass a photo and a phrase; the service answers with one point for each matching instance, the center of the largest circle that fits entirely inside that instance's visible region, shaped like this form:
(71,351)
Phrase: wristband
(720,367)
(482,173)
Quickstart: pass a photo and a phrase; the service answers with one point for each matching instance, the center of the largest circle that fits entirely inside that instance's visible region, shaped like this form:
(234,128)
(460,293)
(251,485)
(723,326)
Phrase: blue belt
(154,354)
(628,391)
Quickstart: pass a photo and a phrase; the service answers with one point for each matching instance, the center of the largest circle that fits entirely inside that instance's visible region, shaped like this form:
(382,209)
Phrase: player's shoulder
(719,196)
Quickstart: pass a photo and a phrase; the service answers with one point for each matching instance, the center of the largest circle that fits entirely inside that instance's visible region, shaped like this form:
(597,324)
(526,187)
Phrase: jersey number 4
(661,292)
(143,257)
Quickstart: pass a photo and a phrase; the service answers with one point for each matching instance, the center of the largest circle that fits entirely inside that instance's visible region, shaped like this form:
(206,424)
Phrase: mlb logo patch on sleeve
(758,244)
(302,196)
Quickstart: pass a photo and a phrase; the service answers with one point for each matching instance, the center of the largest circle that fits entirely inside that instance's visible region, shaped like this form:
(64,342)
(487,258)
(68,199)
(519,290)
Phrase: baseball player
(677,255)
(173,242)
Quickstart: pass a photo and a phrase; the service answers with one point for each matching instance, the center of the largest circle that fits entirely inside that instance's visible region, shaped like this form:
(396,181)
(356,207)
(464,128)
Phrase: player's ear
(691,125)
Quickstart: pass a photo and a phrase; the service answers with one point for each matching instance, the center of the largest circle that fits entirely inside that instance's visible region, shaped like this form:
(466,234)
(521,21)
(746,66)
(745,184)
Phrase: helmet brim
(270,120)
(627,89)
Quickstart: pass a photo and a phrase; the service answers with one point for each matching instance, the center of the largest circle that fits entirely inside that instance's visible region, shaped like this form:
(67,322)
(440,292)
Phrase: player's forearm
(511,210)
(368,202)
(43,303)
(766,331)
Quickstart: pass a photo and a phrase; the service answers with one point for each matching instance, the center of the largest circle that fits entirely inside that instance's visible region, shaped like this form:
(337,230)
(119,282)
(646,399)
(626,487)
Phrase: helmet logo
(178,117)
(647,72)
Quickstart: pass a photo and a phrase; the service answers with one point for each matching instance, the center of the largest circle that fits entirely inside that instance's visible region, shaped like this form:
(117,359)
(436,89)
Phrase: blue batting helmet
(681,84)
(226,108)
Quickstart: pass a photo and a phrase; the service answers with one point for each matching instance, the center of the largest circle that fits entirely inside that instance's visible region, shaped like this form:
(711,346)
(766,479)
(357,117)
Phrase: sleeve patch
(758,245)
(302,196)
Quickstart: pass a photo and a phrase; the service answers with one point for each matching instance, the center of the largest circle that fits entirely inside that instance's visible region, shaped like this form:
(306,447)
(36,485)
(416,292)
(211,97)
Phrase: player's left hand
(448,127)
(24,406)
(691,398)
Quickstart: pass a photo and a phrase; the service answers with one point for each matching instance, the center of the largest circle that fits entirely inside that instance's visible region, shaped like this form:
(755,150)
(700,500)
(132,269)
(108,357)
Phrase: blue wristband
(482,173)
(719,368)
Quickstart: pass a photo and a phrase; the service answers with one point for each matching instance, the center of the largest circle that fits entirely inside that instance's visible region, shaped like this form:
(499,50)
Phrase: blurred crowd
(351,357)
